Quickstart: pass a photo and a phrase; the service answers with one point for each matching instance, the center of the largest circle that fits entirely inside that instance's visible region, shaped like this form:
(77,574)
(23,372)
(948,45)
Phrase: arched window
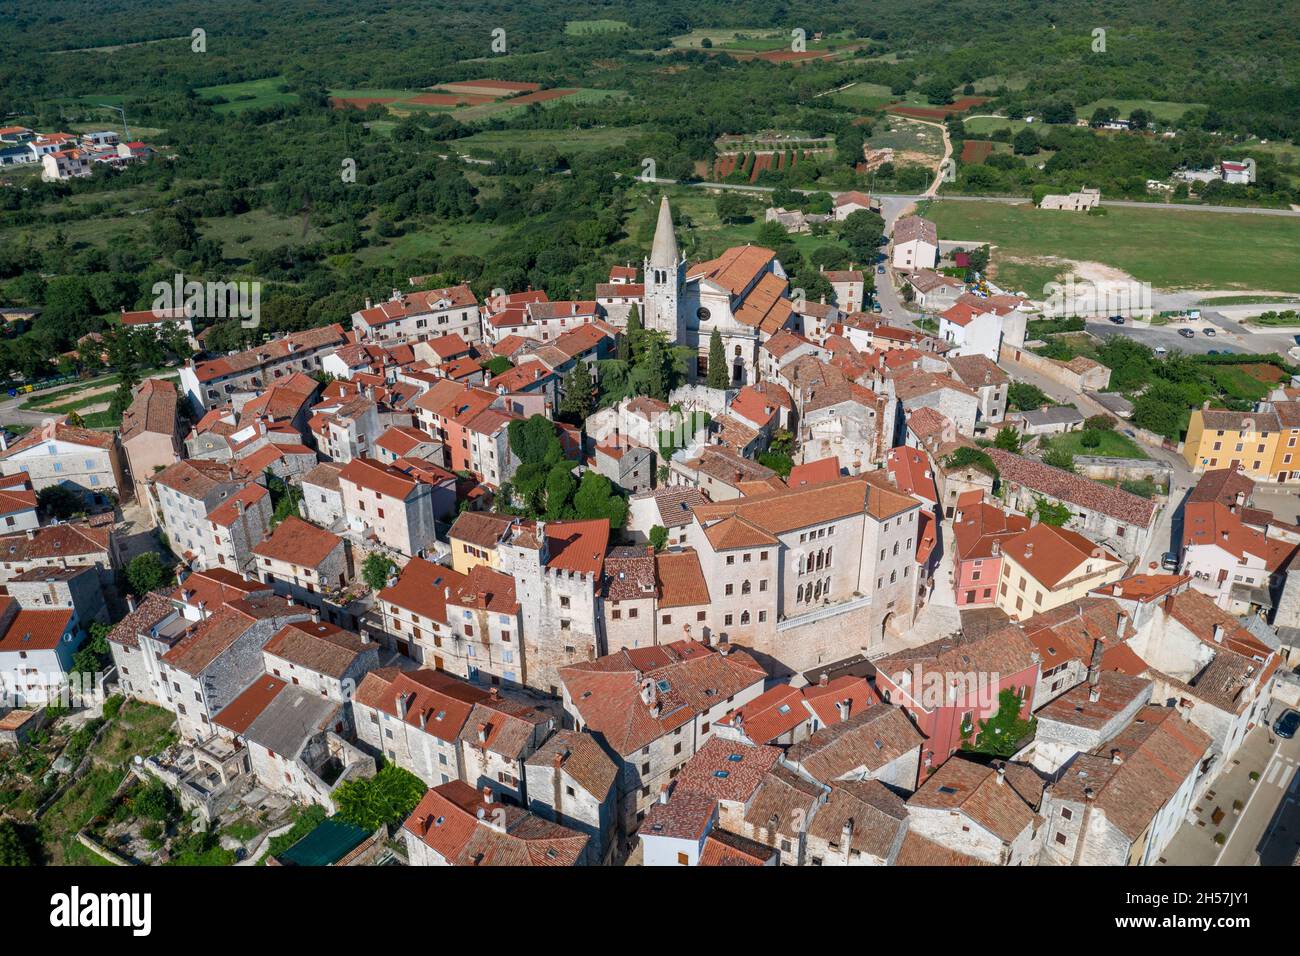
(744,617)
(737,351)
(828,555)
(893,576)
(799,599)
(821,558)
(744,587)
(817,591)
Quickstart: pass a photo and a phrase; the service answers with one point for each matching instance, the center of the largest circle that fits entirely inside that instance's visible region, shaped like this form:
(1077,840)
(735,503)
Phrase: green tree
(579,394)
(655,377)
(560,486)
(1059,457)
(731,207)
(1002,733)
(145,573)
(717,361)
(155,802)
(1100,423)
(12,850)
(534,441)
(385,799)
(597,498)
(1008,440)
(1024,397)
(59,501)
(1054,514)
(658,537)
(376,570)
(1025,142)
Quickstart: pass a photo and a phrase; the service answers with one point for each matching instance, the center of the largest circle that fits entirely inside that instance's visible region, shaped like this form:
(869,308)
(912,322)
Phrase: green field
(1113,445)
(257,229)
(526,141)
(577,28)
(981,126)
(249,95)
(864,96)
(1164,111)
(1170,249)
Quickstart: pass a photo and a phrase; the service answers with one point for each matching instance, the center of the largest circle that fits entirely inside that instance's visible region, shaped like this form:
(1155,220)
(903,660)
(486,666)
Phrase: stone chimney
(403,704)
(130,603)
(1002,774)
(846,836)
(823,680)
(663,793)
(482,730)
(1218,633)
(315,615)
(424,719)
(1121,624)
(724,646)
(1116,757)
(487,793)
(844,706)
(647,692)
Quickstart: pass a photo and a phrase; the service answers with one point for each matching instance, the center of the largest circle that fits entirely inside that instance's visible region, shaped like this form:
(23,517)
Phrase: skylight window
(735,758)
(664,687)
(722,774)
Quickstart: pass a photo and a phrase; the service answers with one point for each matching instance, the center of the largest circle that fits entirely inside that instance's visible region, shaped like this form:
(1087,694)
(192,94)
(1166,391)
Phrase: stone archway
(885,624)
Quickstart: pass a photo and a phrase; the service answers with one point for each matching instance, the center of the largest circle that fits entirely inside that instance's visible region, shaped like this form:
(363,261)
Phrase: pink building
(948,686)
(979,532)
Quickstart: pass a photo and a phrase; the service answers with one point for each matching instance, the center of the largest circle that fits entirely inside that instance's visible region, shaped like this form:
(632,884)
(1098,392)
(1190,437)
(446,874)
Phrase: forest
(256,192)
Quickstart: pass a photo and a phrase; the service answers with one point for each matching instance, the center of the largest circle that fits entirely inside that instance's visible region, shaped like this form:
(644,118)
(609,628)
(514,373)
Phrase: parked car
(880,270)
(1187,333)
(1212,352)
(1117,319)
(1161,350)
(1169,561)
(1208,331)
(1287,724)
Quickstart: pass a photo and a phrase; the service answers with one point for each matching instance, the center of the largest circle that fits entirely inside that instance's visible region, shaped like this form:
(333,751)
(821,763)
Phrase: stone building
(570,780)
(652,708)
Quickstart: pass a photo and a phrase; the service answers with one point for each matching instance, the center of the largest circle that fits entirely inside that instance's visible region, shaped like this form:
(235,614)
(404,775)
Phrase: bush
(658,537)
(145,573)
(385,799)
(1090,438)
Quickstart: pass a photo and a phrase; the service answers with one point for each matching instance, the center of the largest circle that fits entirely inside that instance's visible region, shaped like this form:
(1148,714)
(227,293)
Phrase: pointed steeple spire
(663,253)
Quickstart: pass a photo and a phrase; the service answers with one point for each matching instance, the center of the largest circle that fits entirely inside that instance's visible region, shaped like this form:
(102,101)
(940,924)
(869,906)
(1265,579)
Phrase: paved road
(1268,830)
(1009,200)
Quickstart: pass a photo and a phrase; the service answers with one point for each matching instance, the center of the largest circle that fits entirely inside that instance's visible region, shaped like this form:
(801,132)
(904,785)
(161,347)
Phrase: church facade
(743,293)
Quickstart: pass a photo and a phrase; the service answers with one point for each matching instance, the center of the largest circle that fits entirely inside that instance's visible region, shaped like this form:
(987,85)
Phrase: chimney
(1029,550)
(203,610)
(403,704)
(369,304)
(1218,633)
(724,646)
(1002,774)
(1121,624)
(823,680)
(1087,794)
(130,603)
(315,615)
(482,733)
(1116,757)
(846,836)
(844,706)
(663,793)
(487,794)
(494,694)
(424,719)
(647,692)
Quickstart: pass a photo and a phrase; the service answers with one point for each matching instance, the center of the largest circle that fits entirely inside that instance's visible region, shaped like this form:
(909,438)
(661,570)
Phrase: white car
(1160,350)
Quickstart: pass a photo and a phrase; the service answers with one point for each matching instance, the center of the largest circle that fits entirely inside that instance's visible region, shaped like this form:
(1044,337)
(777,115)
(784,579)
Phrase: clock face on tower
(702,314)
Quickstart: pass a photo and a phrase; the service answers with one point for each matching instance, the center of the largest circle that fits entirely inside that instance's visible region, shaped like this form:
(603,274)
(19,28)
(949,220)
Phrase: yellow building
(1218,438)
(1286,461)
(1045,567)
(475,537)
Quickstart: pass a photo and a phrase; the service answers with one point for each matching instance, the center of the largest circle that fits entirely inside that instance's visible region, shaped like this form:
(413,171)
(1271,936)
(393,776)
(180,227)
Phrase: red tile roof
(295,541)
